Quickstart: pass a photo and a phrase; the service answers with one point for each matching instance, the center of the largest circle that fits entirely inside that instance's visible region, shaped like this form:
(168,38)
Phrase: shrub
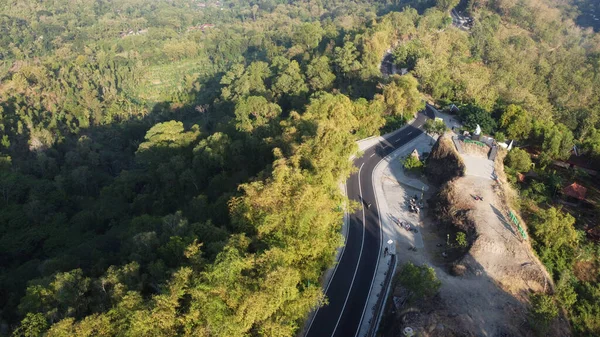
(461,240)
(543,311)
(420,281)
(412,163)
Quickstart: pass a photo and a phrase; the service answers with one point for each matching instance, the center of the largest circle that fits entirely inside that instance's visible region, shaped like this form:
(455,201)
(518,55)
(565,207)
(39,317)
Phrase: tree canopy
(172,167)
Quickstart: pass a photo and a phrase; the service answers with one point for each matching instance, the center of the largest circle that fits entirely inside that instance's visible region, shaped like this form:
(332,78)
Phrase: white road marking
(362,243)
(378,253)
(408,134)
(398,141)
(359,256)
(371,156)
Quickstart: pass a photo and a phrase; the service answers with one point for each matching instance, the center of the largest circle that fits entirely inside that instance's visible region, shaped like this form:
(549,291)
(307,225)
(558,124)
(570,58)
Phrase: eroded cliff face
(444,163)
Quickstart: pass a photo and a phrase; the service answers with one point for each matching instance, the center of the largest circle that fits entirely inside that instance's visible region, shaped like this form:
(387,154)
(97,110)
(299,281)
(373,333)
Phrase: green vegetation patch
(165,82)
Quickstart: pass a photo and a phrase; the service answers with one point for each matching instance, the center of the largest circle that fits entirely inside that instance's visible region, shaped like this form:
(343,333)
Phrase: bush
(420,281)
(436,127)
(543,311)
(461,240)
(412,163)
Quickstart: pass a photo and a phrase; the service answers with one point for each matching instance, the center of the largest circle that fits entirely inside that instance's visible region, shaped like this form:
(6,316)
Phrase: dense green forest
(172,167)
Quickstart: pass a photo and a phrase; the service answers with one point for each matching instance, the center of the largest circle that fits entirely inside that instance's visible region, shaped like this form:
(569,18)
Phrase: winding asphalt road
(348,289)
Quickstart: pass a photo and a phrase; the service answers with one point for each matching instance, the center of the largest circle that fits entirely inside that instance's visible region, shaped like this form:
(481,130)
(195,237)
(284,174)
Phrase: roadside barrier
(381,298)
(514,219)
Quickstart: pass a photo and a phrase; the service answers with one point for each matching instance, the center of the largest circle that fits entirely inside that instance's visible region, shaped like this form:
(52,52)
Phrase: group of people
(413,205)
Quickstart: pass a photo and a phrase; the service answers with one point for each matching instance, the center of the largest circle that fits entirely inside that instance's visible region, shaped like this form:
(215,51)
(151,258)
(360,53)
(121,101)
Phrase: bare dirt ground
(484,290)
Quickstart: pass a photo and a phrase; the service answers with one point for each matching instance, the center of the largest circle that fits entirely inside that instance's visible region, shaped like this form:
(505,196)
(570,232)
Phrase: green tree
(253,112)
(591,143)
(290,80)
(211,155)
(33,325)
(62,296)
(346,59)
(407,54)
(565,291)
(308,35)
(473,115)
(519,160)
(555,140)
(516,121)
(370,116)
(164,138)
(402,96)
(500,137)
(420,281)
(240,82)
(587,308)
(319,74)
(446,5)
(555,229)
(557,237)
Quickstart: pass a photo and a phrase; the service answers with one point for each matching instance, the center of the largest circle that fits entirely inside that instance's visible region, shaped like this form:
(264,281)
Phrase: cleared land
(169,78)
(485,288)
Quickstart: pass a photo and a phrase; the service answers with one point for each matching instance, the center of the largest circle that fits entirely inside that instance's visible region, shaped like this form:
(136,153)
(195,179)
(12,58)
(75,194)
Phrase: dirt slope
(485,291)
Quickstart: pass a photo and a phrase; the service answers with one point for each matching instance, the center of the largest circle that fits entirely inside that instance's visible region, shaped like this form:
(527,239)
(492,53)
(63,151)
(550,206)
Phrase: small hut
(575,191)
(453,109)
(415,154)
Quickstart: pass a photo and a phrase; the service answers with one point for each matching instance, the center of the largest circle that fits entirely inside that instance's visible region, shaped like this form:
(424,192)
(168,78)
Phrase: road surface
(349,287)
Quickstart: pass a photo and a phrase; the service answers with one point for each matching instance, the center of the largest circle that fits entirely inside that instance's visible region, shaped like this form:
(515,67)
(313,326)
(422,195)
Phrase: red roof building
(575,191)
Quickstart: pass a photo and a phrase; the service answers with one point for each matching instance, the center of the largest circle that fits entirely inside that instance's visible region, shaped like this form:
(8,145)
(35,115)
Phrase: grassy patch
(163,82)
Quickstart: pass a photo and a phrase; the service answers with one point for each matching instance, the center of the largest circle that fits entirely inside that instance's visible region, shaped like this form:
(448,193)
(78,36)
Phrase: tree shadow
(503,220)
(82,197)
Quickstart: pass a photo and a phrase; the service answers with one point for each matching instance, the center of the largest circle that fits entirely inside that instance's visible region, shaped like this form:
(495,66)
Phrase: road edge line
(362,244)
(384,159)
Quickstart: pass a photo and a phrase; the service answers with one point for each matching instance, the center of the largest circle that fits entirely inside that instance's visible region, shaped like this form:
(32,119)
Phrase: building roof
(575,190)
(415,154)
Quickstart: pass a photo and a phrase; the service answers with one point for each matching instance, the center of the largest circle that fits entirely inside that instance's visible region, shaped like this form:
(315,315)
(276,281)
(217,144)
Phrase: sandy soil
(497,274)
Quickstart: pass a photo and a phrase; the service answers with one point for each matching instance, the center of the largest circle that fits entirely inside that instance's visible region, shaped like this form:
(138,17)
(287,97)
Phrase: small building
(415,154)
(453,109)
(575,191)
